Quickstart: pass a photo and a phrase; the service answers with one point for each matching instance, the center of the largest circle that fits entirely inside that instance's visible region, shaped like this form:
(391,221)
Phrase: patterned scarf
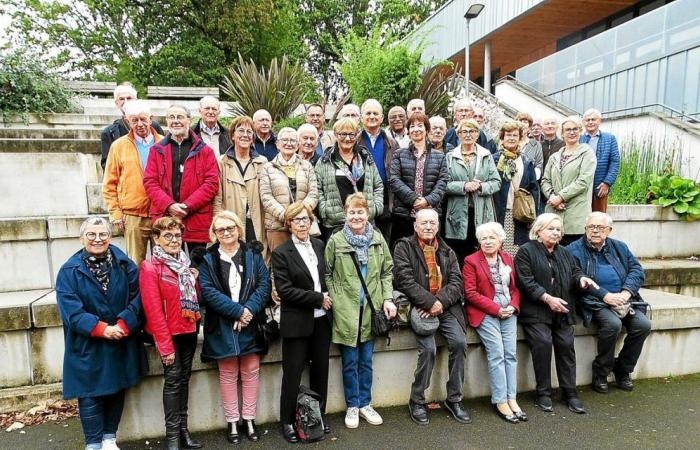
(359,242)
(99,266)
(356,166)
(434,274)
(506,163)
(186,281)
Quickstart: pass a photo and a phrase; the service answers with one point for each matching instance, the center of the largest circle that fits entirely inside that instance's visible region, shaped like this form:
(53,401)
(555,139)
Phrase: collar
(594,248)
(296,240)
(173,141)
(597,133)
(210,131)
(422,244)
(148,140)
(375,135)
(280,160)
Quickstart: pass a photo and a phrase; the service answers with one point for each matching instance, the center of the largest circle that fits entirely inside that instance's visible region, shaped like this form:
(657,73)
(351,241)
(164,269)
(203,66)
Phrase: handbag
(268,331)
(523,207)
(381,325)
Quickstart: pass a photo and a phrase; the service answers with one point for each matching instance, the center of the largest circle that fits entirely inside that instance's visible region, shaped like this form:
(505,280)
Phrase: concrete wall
(521,101)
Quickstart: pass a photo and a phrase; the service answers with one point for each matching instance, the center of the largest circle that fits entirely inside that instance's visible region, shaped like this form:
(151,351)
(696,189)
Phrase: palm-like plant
(437,89)
(280,89)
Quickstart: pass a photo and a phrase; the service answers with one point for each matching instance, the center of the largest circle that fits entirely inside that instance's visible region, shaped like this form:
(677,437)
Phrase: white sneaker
(370,415)
(109,444)
(351,418)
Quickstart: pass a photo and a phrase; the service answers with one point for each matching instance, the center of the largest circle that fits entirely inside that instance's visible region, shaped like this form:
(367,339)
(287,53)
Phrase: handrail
(653,107)
(566,110)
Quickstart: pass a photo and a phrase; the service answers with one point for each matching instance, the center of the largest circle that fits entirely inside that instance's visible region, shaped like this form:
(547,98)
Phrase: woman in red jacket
(171,304)
(493,300)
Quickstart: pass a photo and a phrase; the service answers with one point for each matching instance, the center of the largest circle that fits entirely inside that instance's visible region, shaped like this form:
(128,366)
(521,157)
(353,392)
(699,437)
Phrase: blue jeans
(357,373)
(100,417)
(500,341)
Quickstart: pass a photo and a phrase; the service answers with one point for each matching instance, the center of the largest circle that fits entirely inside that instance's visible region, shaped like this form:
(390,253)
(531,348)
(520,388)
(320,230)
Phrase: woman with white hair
(550,282)
(492,302)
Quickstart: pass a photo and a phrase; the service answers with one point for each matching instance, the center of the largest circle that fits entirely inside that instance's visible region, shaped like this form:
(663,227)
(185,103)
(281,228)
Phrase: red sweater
(479,290)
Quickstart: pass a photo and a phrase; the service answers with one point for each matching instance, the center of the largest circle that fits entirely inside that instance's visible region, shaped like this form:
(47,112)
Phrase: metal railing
(653,107)
(489,97)
(558,106)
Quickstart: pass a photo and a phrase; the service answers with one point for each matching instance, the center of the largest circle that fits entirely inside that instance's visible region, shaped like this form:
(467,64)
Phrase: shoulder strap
(362,280)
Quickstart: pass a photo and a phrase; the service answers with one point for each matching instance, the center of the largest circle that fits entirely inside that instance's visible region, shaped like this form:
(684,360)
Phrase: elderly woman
(284,180)
(346,169)
(305,319)
(358,247)
(235,287)
(100,307)
(492,302)
(530,147)
(418,177)
(567,182)
(550,282)
(171,304)
(517,172)
(308,143)
(239,181)
(473,180)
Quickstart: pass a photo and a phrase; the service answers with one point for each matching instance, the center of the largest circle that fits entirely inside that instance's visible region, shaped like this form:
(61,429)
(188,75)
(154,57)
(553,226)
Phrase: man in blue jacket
(616,303)
(608,157)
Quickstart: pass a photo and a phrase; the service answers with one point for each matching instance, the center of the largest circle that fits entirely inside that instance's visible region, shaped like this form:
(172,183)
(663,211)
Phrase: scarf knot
(359,242)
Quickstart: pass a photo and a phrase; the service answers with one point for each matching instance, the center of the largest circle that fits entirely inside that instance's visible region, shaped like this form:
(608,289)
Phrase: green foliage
(192,61)
(383,69)
(437,88)
(26,86)
(294,122)
(280,89)
(682,194)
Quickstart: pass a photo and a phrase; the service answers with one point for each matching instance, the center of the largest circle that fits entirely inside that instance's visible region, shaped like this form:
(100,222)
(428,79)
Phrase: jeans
(500,338)
(357,373)
(176,384)
(457,346)
(609,325)
(100,417)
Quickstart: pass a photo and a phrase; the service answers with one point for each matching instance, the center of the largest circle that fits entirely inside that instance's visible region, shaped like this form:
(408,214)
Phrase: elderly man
(427,272)
(616,304)
(438,128)
(316,116)
(350,110)
(308,143)
(415,105)
(397,126)
(182,178)
(607,157)
(120,127)
(463,109)
(122,186)
(551,143)
(479,115)
(536,129)
(212,132)
(265,140)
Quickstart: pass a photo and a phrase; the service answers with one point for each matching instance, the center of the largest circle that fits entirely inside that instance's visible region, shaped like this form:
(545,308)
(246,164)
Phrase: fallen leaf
(433,405)
(15,426)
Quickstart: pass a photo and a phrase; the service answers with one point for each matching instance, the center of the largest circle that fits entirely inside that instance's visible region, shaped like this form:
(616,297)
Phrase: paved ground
(659,414)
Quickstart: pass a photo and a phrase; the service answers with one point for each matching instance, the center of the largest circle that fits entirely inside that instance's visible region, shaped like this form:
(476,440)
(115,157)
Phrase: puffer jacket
(276,194)
(403,177)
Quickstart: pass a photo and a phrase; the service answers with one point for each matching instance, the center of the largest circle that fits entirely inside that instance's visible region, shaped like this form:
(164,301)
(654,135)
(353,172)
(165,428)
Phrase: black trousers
(540,338)
(296,353)
(176,384)
(609,327)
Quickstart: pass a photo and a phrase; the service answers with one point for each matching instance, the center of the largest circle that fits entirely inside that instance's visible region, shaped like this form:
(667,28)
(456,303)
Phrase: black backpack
(309,422)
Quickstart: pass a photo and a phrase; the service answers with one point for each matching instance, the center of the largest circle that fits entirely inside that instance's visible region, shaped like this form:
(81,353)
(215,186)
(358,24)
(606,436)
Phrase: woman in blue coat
(235,286)
(100,306)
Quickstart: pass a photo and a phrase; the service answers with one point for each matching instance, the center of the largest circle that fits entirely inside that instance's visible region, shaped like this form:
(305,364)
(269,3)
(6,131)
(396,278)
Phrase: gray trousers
(457,347)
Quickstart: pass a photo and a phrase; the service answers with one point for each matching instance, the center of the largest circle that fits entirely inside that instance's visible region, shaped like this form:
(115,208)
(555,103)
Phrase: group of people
(328,226)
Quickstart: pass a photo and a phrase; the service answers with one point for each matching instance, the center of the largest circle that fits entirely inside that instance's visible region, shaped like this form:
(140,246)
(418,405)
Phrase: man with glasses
(265,140)
(122,186)
(123,93)
(182,178)
(397,126)
(463,109)
(615,304)
(350,110)
(608,157)
(212,132)
(316,116)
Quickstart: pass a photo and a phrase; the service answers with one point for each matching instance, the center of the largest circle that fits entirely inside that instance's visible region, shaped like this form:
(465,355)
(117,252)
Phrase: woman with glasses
(517,172)
(100,306)
(567,182)
(239,178)
(171,304)
(418,177)
(284,180)
(235,286)
(472,183)
(346,169)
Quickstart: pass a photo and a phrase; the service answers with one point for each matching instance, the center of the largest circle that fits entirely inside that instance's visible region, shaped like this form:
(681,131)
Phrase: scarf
(186,282)
(434,274)
(359,242)
(506,163)
(357,169)
(99,266)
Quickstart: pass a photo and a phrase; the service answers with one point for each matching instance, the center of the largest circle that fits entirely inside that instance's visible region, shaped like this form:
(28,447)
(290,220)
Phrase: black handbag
(268,331)
(381,325)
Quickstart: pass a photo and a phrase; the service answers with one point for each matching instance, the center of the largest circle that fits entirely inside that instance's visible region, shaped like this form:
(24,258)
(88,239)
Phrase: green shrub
(294,122)
(682,194)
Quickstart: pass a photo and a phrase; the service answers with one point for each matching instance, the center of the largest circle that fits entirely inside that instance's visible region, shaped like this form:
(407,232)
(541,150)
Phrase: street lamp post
(472,13)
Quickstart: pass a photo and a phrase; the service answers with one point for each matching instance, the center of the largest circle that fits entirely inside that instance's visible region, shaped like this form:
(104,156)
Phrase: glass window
(675,77)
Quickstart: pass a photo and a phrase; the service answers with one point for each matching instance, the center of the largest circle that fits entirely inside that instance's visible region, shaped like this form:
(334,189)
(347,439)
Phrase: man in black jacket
(212,132)
(427,272)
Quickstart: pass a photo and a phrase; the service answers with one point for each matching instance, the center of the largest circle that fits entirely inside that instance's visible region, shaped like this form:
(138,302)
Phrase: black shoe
(418,413)
(544,402)
(250,430)
(624,381)
(521,415)
(575,405)
(289,434)
(232,433)
(458,411)
(187,441)
(600,384)
(510,418)
(326,425)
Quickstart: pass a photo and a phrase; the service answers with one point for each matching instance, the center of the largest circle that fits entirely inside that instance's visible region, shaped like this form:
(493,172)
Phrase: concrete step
(24,397)
(50,133)
(678,276)
(11,145)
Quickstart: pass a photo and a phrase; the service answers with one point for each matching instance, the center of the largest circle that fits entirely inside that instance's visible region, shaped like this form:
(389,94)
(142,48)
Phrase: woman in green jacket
(351,316)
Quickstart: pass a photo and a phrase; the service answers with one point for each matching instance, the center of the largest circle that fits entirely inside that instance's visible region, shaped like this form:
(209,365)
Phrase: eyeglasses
(571,130)
(244,131)
(91,236)
(597,227)
(301,220)
(347,135)
(289,141)
(223,230)
(470,131)
(179,117)
(170,236)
